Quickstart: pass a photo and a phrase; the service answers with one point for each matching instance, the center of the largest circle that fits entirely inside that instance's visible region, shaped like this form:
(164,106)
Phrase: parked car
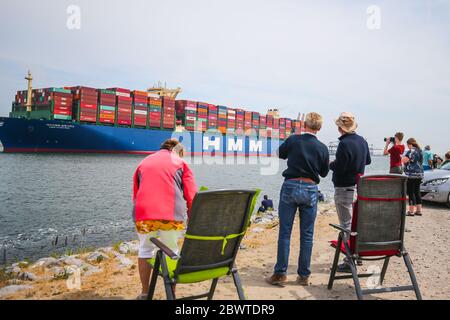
(436,185)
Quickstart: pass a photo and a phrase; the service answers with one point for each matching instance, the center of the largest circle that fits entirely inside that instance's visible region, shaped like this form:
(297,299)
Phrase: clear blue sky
(298,56)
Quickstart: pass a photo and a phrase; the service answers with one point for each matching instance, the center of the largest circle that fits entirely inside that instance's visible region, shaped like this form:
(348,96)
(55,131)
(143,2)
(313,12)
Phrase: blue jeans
(295,195)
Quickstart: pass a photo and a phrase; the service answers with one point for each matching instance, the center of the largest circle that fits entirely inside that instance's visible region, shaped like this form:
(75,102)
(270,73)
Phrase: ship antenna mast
(29,78)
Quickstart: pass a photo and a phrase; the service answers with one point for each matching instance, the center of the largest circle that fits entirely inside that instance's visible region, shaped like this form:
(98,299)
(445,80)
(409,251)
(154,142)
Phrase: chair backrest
(218,222)
(379,214)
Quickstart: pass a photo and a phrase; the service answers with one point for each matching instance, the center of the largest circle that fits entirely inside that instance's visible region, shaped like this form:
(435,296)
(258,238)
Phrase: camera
(391,140)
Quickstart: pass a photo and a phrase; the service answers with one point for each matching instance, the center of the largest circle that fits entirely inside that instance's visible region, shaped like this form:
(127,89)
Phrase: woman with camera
(414,170)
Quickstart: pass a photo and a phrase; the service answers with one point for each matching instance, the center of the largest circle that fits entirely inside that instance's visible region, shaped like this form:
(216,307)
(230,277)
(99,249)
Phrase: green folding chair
(218,223)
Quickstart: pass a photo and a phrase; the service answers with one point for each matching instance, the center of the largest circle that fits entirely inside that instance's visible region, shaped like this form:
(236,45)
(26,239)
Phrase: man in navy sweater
(307,160)
(352,156)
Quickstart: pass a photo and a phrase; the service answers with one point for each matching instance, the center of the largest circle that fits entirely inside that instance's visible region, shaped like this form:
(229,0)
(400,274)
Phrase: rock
(13,270)
(96,256)
(124,261)
(46,262)
(13,289)
(57,271)
(72,261)
(128,247)
(92,270)
(257,220)
(27,276)
(107,250)
(258,230)
(266,221)
(242,246)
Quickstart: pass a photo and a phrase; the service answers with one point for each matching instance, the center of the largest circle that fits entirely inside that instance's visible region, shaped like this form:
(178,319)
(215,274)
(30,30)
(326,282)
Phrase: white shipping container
(142,112)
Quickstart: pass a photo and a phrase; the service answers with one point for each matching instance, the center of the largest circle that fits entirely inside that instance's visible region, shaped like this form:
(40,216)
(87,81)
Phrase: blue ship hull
(23,135)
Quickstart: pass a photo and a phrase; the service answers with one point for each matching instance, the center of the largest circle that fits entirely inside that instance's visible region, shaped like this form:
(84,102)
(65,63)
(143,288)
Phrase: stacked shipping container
(186,112)
(53,103)
(240,115)
(255,121)
(140,109)
(168,113)
(247,121)
(107,106)
(212,116)
(288,127)
(282,128)
(222,119)
(202,116)
(124,106)
(154,112)
(231,119)
(263,126)
(85,104)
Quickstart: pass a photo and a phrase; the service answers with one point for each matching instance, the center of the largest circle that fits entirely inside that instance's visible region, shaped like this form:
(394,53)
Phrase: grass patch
(4,276)
(117,245)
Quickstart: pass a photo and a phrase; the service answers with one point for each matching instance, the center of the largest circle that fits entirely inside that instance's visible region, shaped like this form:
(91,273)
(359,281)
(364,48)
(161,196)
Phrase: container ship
(117,120)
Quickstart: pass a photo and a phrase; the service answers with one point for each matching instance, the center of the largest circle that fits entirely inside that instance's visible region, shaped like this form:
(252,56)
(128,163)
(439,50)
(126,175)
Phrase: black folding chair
(377,232)
(218,222)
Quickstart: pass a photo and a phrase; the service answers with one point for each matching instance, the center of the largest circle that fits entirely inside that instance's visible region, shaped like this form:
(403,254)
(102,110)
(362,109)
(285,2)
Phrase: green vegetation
(117,245)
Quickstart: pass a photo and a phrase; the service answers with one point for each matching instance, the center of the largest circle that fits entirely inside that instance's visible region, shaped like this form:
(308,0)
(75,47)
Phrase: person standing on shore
(160,183)
(413,169)
(352,156)
(307,159)
(447,159)
(395,152)
(427,155)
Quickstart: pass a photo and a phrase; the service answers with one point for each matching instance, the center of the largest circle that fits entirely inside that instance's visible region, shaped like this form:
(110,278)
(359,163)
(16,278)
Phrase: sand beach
(114,275)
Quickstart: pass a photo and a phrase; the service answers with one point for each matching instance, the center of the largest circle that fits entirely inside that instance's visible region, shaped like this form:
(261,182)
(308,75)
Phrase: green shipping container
(108,108)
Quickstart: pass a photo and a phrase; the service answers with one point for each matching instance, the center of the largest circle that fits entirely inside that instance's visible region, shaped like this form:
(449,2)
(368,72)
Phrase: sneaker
(359,262)
(344,268)
(276,279)
(303,281)
(142,296)
(410,214)
(418,213)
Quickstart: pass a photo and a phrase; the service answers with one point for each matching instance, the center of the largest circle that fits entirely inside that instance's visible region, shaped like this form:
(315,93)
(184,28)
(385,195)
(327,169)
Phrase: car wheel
(448,200)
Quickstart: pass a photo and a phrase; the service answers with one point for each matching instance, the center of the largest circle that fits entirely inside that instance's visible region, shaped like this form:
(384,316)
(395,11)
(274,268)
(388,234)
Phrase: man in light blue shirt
(427,159)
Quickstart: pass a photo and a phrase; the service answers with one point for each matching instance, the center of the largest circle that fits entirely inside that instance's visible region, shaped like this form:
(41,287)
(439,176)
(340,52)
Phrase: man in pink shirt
(163,191)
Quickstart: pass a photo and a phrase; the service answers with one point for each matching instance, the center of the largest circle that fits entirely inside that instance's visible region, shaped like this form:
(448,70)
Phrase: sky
(390,67)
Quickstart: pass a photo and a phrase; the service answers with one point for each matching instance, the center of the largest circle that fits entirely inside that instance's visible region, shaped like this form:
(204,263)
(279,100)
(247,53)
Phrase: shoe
(303,281)
(359,262)
(410,214)
(418,213)
(344,268)
(142,296)
(276,279)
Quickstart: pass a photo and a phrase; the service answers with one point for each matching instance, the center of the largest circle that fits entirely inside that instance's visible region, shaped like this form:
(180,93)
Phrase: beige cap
(346,122)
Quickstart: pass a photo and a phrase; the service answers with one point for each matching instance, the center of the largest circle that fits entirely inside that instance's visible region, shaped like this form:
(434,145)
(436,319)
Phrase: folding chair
(377,232)
(218,222)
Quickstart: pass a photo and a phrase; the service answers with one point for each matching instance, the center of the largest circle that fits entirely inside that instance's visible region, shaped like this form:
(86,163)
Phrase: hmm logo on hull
(233,144)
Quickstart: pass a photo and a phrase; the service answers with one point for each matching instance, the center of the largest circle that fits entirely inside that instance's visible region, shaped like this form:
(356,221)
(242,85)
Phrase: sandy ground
(427,239)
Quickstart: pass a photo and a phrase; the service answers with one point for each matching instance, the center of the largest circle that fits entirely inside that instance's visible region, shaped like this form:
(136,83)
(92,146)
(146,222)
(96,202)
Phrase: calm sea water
(55,203)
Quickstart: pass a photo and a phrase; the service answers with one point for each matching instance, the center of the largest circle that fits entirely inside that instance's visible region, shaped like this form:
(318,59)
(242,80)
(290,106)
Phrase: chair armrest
(164,248)
(340,228)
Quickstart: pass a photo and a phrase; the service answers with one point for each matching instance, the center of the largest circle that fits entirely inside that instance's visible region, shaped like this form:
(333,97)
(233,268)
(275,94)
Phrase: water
(54,203)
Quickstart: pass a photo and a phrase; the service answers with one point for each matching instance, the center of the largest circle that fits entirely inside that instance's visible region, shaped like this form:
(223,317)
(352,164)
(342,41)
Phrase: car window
(446,166)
